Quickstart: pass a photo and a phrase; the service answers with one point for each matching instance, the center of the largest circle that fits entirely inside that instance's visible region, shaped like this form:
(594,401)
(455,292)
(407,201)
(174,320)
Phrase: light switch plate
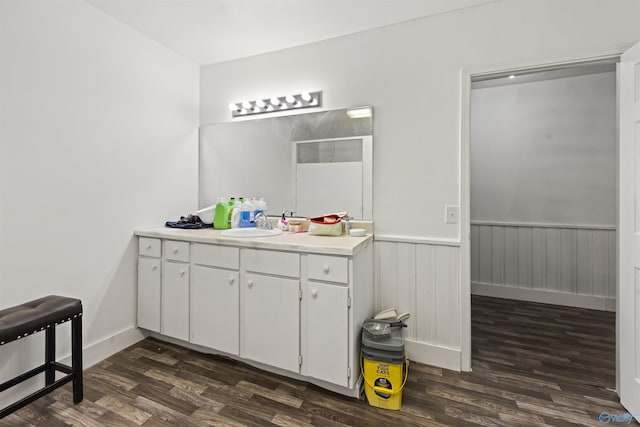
(451,214)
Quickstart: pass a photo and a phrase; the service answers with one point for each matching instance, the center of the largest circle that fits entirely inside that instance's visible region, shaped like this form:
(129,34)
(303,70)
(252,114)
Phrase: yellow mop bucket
(384,381)
(383,363)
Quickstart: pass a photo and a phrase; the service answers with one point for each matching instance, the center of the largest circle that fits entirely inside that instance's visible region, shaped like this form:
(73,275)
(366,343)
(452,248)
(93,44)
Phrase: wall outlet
(451,214)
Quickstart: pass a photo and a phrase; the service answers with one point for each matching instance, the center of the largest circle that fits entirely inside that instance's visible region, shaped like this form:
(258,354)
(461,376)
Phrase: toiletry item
(283,224)
(222,214)
(246,214)
(295,225)
(235,215)
(347,224)
(358,232)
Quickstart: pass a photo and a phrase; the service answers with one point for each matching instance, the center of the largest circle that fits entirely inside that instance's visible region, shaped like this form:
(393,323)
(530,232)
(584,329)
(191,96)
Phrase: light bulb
(246,104)
(256,109)
(284,106)
(233,107)
(275,101)
(306,97)
(314,101)
(270,108)
(243,111)
(298,104)
(290,99)
(260,103)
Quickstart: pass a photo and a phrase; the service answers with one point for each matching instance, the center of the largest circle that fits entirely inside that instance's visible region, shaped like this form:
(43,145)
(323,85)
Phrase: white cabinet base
(326,352)
(214,310)
(271,321)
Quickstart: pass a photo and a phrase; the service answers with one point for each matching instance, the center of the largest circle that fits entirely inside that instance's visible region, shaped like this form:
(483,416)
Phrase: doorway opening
(542,219)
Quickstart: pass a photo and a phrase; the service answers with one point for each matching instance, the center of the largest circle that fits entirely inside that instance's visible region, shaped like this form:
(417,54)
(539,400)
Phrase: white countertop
(299,242)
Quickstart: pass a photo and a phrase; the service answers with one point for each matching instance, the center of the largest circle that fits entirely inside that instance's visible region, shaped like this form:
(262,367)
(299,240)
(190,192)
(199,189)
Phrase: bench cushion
(33,316)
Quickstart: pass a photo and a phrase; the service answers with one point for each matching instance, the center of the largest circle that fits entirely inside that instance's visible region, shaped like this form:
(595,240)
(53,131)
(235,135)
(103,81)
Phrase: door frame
(466,75)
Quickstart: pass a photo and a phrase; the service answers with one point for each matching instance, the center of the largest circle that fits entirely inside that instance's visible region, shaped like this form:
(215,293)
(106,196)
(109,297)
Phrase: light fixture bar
(276,103)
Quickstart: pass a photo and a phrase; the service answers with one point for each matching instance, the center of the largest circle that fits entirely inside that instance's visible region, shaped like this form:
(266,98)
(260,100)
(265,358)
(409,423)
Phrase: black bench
(45,314)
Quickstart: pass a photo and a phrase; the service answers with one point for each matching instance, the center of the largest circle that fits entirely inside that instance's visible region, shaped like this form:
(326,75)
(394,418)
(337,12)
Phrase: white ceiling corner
(212,31)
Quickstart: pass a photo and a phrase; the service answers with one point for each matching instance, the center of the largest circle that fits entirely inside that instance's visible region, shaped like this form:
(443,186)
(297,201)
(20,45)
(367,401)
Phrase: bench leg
(50,354)
(76,358)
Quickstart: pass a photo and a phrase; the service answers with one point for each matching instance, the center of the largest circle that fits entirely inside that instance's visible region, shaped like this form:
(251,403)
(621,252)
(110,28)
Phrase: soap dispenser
(283,224)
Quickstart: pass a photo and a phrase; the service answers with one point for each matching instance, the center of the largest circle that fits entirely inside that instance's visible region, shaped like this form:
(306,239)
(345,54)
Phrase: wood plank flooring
(533,365)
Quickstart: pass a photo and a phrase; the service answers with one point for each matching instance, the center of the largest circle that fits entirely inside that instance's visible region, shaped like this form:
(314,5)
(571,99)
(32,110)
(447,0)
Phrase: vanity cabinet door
(215,306)
(326,354)
(271,321)
(175,300)
(149,288)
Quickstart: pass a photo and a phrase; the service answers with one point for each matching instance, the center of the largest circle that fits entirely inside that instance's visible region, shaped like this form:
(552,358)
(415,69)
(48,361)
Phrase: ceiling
(212,31)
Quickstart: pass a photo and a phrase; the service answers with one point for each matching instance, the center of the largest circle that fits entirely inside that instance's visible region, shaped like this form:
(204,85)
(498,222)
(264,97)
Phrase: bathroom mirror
(309,164)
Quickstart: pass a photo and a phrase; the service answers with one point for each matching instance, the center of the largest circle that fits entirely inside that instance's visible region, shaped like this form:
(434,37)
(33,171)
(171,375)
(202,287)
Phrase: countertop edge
(285,242)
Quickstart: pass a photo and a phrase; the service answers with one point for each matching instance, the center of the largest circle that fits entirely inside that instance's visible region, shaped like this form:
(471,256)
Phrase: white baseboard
(544,296)
(431,354)
(98,351)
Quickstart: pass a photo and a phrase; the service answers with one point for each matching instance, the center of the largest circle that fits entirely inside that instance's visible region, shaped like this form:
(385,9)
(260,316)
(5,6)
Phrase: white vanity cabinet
(326,305)
(215,297)
(270,315)
(292,304)
(175,290)
(149,283)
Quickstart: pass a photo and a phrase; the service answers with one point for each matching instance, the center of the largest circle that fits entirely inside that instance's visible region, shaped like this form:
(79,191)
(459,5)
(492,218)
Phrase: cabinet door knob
(175,250)
(154,267)
(250,283)
(182,272)
(325,268)
(231,280)
(148,246)
(314,293)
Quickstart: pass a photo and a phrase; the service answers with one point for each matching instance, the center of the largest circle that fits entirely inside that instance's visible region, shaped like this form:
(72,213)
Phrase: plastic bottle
(232,202)
(260,206)
(235,215)
(221,215)
(246,215)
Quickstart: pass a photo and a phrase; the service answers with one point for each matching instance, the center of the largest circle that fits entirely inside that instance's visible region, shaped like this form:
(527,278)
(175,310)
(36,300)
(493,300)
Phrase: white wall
(545,151)
(543,191)
(410,73)
(98,136)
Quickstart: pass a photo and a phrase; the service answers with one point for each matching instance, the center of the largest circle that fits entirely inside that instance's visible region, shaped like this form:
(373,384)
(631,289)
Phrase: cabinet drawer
(215,256)
(149,247)
(328,268)
(271,262)
(176,251)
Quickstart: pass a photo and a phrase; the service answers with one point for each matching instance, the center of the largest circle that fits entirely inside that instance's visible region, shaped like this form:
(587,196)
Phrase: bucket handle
(382,389)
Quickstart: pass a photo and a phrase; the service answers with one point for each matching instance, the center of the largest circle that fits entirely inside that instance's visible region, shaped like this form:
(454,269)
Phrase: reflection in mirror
(310,164)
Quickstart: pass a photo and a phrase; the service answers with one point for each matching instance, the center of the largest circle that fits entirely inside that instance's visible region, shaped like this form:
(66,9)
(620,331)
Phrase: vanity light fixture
(276,103)
(359,112)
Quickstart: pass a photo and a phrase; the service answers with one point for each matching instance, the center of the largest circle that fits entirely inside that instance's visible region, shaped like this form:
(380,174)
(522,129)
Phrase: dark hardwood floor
(533,365)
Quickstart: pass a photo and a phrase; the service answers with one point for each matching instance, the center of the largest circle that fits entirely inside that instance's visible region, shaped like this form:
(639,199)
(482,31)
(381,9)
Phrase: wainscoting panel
(553,263)
(422,278)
